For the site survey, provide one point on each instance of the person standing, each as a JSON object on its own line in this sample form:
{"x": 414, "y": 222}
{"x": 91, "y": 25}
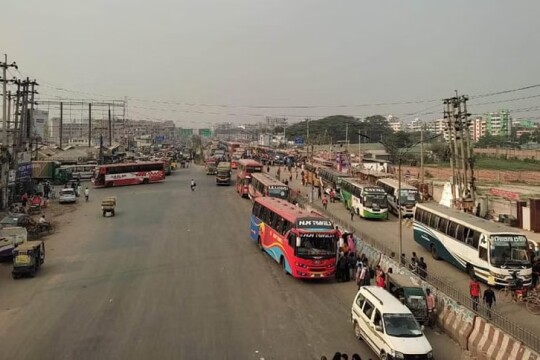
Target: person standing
{"x": 422, "y": 268}
{"x": 474, "y": 291}
{"x": 430, "y": 302}
{"x": 193, "y": 185}
{"x": 324, "y": 203}
{"x": 24, "y": 199}
{"x": 361, "y": 274}
{"x": 86, "y": 193}
{"x": 352, "y": 213}
{"x": 489, "y": 300}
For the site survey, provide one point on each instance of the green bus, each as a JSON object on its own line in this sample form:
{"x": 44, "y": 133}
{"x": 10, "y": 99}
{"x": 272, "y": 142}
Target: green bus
{"x": 331, "y": 178}
{"x": 368, "y": 201}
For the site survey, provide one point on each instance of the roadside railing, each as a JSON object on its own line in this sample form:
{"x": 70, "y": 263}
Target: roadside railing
{"x": 527, "y": 337}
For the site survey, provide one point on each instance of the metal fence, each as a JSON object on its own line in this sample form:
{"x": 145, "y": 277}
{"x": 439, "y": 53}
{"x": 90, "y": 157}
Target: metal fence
{"x": 527, "y": 337}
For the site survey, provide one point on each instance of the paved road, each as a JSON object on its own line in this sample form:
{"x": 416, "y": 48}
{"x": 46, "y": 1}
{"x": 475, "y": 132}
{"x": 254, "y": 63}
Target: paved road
{"x": 172, "y": 276}
{"x": 387, "y": 233}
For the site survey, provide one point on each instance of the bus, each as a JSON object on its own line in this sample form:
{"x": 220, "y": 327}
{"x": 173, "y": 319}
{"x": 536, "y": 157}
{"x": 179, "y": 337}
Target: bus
{"x": 330, "y": 178}
{"x": 80, "y": 172}
{"x": 263, "y": 184}
{"x": 304, "y": 243}
{"x": 486, "y": 250}
{"x": 223, "y": 173}
{"x": 128, "y": 174}
{"x": 246, "y": 167}
{"x": 310, "y": 175}
{"x": 211, "y": 166}
{"x": 407, "y": 201}
{"x": 368, "y": 201}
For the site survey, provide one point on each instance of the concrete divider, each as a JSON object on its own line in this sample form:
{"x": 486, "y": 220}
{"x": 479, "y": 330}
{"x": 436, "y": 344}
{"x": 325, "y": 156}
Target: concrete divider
{"x": 456, "y": 321}
{"x": 487, "y": 342}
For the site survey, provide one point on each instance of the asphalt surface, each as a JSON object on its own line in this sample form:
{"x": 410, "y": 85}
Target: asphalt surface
{"x": 172, "y": 276}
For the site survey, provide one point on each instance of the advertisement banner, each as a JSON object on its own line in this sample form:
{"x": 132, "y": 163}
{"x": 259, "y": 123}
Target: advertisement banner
{"x": 38, "y": 123}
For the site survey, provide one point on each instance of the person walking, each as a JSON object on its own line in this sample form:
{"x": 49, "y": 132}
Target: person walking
{"x": 361, "y": 275}
{"x": 474, "y": 291}
{"x": 24, "y": 199}
{"x": 324, "y": 203}
{"x": 193, "y": 185}
{"x": 489, "y": 300}
{"x": 430, "y": 302}
{"x": 352, "y": 213}
{"x": 86, "y": 193}
{"x": 422, "y": 268}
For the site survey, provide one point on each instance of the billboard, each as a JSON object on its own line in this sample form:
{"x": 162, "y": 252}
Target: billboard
{"x": 38, "y": 123}
{"x": 205, "y": 132}
{"x": 185, "y": 132}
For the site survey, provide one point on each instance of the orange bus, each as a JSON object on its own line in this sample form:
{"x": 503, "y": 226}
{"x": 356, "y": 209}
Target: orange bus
{"x": 302, "y": 242}
{"x": 246, "y": 167}
{"x": 128, "y": 174}
{"x": 263, "y": 184}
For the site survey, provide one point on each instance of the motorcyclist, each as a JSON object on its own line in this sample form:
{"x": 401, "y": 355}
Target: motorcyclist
{"x": 86, "y": 193}
{"x": 43, "y": 223}
{"x": 516, "y": 284}
{"x": 193, "y": 185}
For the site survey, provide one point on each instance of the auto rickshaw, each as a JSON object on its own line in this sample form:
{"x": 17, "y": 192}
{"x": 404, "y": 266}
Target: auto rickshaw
{"x": 108, "y": 205}
{"x": 28, "y": 258}
{"x": 409, "y": 293}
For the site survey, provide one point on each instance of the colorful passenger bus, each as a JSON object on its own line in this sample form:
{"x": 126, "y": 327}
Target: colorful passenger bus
{"x": 304, "y": 243}
{"x": 368, "y": 201}
{"x": 331, "y": 178}
{"x": 246, "y": 167}
{"x": 406, "y": 203}
{"x": 128, "y": 174}
{"x": 487, "y": 250}
{"x": 263, "y": 184}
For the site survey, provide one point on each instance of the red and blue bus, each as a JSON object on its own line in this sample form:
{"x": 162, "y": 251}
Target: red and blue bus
{"x": 304, "y": 243}
{"x": 246, "y": 167}
{"x": 128, "y": 174}
{"x": 263, "y": 184}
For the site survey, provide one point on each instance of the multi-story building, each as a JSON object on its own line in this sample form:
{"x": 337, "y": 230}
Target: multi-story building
{"x": 478, "y": 128}
{"x": 394, "y": 122}
{"x": 499, "y": 123}
{"x": 436, "y": 126}
{"x": 415, "y": 125}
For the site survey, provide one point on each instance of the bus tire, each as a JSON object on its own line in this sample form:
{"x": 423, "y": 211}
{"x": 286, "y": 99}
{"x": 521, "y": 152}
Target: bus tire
{"x": 283, "y": 266}
{"x": 145, "y": 181}
{"x": 434, "y": 253}
{"x": 259, "y": 243}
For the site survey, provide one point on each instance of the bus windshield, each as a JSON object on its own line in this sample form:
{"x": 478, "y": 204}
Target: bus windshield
{"x": 509, "y": 250}
{"x": 253, "y": 169}
{"x": 408, "y": 197}
{"x": 316, "y": 245}
{"x": 279, "y": 192}
{"x": 375, "y": 201}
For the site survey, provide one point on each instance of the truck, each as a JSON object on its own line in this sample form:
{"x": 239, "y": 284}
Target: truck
{"x": 211, "y": 166}
{"x": 51, "y": 171}
{"x": 223, "y": 175}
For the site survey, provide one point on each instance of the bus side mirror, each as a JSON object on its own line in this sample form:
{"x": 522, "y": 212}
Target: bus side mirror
{"x": 298, "y": 241}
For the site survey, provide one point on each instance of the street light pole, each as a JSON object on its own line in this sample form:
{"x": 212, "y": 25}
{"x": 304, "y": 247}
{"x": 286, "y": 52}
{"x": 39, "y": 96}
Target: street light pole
{"x": 400, "y": 216}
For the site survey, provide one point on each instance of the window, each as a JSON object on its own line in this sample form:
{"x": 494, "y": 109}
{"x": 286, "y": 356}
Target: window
{"x": 452, "y": 227}
{"x": 476, "y": 238}
{"x": 460, "y": 233}
{"x": 377, "y": 318}
{"x": 443, "y": 225}
{"x": 418, "y": 214}
{"x": 434, "y": 223}
{"x": 360, "y": 300}
{"x": 482, "y": 253}
{"x": 368, "y": 309}
{"x": 292, "y": 240}
{"x": 280, "y": 225}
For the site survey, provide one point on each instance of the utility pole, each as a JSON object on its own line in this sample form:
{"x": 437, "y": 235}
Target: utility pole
{"x": 347, "y": 137}
{"x": 400, "y": 215}
{"x": 110, "y": 127}
{"x": 5, "y": 146}
{"x": 61, "y": 123}
{"x": 90, "y": 125}
{"x": 422, "y": 155}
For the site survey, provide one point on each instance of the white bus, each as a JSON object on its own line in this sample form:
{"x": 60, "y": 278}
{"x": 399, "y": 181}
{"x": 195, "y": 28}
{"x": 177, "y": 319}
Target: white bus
{"x": 486, "y": 250}
{"x": 81, "y": 172}
{"x": 368, "y": 201}
{"x": 406, "y": 202}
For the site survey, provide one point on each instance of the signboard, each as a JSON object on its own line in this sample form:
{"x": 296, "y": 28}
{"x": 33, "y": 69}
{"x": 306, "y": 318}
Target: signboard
{"x": 160, "y": 138}
{"x": 12, "y": 175}
{"x": 314, "y": 223}
{"x": 509, "y": 238}
{"x": 185, "y": 132}
{"x": 510, "y": 195}
{"x": 205, "y": 132}
{"x": 298, "y": 140}
{"x": 38, "y": 124}
{"x": 24, "y": 171}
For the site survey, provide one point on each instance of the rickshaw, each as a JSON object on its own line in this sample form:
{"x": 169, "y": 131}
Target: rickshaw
{"x": 28, "y": 258}
{"x": 409, "y": 293}
{"x": 108, "y": 205}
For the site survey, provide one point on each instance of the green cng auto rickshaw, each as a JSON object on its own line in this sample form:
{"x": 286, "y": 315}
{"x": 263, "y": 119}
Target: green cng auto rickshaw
{"x": 28, "y": 258}
{"x": 410, "y": 294}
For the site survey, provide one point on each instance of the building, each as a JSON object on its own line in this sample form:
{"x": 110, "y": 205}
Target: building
{"x": 436, "y": 126}
{"x": 415, "y": 125}
{"x": 394, "y": 123}
{"x": 499, "y": 123}
{"x": 479, "y": 128}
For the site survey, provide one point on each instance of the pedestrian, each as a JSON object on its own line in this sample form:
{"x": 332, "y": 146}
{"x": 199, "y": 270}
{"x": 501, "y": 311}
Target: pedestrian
{"x": 296, "y": 172}
{"x": 413, "y": 266}
{"x": 381, "y": 281}
{"x": 86, "y": 193}
{"x": 344, "y": 357}
{"x": 474, "y": 291}
{"x": 430, "y": 303}
{"x": 352, "y": 264}
{"x": 403, "y": 260}
{"x": 337, "y": 356}
{"x": 350, "y": 243}
{"x": 489, "y": 300}
{"x": 24, "y": 199}
{"x": 356, "y": 357}
{"x": 332, "y": 196}
{"x": 415, "y": 257}
{"x": 268, "y": 169}
{"x": 290, "y": 177}
{"x": 193, "y": 185}
{"x": 352, "y": 213}
{"x": 319, "y": 192}
{"x": 361, "y": 275}
{"x": 422, "y": 268}
{"x": 324, "y": 203}
{"x": 344, "y": 268}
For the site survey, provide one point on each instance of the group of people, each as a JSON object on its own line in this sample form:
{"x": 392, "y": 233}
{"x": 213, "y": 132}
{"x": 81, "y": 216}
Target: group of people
{"x": 417, "y": 265}
{"x": 343, "y": 356}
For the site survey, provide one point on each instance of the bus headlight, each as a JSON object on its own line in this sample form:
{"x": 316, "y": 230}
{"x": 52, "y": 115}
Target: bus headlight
{"x": 497, "y": 276}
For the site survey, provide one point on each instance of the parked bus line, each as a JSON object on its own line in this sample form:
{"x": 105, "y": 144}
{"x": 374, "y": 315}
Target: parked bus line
{"x": 263, "y": 184}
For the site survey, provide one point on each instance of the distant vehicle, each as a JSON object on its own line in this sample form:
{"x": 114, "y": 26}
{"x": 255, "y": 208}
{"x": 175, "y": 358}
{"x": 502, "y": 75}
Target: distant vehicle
{"x": 310, "y": 175}
{"x": 129, "y": 174}
{"x": 246, "y": 167}
{"x": 263, "y": 184}
{"x": 330, "y": 178}
{"x": 487, "y": 250}
{"x": 28, "y": 258}
{"x": 406, "y": 202}
{"x": 67, "y": 196}
{"x": 223, "y": 173}
{"x": 10, "y": 238}
{"x": 51, "y": 171}
{"x": 81, "y": 172}
{"x": 368, "y": 201}
{"x": 211, "y": 166}
{"x": 304, "y": 243}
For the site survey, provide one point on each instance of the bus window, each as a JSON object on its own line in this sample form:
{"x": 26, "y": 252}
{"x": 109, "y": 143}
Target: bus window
{"x": 482, "y": 253}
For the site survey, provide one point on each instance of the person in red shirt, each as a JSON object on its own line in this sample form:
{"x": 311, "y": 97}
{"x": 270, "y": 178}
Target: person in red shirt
{"x": 381, "y": 280}
{"x": 474, "y": 291}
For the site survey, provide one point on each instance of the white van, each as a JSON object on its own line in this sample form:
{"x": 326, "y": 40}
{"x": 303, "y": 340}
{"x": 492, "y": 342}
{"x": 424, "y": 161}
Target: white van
{"x": 388, "y": 326}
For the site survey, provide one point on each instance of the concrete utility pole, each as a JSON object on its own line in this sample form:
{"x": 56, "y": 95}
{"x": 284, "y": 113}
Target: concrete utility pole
{"x": 110, "y": 127}
{"x": 90, "y": 125}
{"x": 5, "y": 146}
{"x": 422, "y": 154}
{"x": 61, "y": 123}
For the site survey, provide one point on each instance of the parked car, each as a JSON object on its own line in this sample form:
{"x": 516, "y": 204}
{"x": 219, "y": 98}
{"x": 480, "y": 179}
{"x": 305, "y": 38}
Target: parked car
{"x": 67, "y": 196}
{"x": 12, "y": 220}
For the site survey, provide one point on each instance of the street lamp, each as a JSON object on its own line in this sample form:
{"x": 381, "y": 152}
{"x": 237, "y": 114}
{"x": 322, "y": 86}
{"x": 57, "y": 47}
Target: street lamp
{"x": 398, "y": 201}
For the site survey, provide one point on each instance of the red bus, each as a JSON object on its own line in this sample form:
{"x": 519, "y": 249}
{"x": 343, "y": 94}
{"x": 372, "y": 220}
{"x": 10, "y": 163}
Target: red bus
{"x": 128, "y": 174}
{"x": 243, "y": 176}
{"x": 263, "y": 184}
{"x": 304, "y": 243}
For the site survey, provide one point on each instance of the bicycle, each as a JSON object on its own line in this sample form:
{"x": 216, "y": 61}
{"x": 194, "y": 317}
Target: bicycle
{"x": 532, "y": 302}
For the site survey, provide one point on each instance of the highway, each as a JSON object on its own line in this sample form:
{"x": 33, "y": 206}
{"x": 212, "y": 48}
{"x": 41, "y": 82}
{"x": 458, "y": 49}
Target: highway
{"x": 172, "y": 276}
{"x": 387, "y": 233}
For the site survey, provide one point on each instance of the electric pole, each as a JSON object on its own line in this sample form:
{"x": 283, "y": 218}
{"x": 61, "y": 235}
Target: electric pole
{"x": 5, "y": 146}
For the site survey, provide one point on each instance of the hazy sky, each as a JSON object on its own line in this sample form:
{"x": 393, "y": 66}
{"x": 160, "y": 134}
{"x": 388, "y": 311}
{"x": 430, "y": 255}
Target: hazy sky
{"x": 277, "y": 53}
